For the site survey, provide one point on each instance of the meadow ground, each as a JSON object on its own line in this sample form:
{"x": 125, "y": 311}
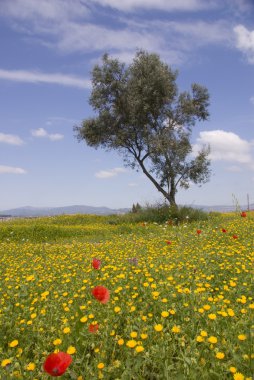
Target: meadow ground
{"x": 181, "y": 301}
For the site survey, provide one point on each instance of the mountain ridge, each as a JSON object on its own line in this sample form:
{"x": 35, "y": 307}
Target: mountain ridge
{"x": 30, "y": 211}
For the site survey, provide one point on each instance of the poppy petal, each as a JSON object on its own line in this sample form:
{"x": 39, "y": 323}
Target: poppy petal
{"x": 57, "y": 363}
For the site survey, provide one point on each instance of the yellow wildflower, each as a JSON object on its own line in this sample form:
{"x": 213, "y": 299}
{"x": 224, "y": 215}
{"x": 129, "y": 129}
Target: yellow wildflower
{"x": 71, "y": 350}
{"x": 131, "y": 343}
{"x": 139, "y": 348}
{"x": 5, "y": 362}
{"x": 30, "y": 367}
{"x": 238, "y": 376}
{"x": 176, "y": 329}
{"x": 158, "y": 327}
{"x": 14, "y": 343}
{"x": 220, "y": 355}
{"x": 57, "y": 342}
{"x": 212, "y": 339}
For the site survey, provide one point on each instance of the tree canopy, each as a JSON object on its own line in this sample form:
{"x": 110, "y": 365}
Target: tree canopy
{"x": 141, "y": 114}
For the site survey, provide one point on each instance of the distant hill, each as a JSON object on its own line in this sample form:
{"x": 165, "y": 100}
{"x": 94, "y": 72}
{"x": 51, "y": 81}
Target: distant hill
{"x": 221, "y": 208}
{"x": 29, "y": 211}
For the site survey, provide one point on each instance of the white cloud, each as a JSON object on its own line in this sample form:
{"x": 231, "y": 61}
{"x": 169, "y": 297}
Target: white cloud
{"x": 39, "y": 77}
{"x": 44, "y": 9}
{"x": 234, "y": 168}
{"x": 151, "y": 36}
{"x": 41, "y": 132}
{"x": 132, "y": 184}
{"x": 91, "y": 37}
{"x": 10, "y": 139}
{"x": 245, "y": 41}
{"x": 200, "y": 32}
{"x": 11, "y": 170}
{"x": 109, "y": 173}
{"x": 252, "y": 100}
{"x": 69, "y": 33}
{"x": 166, "y": 5}
{"x": 185, "y": 38}
{"x": 55, "y": 136}
{"x": 60, "y": 120}
{"x": 226, "y": 146}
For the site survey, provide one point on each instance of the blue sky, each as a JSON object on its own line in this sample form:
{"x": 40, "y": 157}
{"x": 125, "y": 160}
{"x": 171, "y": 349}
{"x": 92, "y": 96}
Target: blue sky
{"x": 48, "y": 49}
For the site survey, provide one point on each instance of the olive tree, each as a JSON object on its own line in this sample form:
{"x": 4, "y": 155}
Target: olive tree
{"x": 140, "y": 113}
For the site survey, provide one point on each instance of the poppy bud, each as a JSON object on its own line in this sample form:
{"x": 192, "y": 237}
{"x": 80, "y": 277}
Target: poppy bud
{"x": 96, "y": 263}
{"x": 93, "y": 328}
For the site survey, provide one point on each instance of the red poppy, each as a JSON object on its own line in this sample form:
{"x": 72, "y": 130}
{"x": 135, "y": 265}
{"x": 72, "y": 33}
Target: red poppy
{"x": 223, "y": 230}
{"x": 57, "y": 363}
{"x": 199, "y": 232}
{"x": 235, "y": 237}
{"x": 96, "y": 263}
{"x": 243, "y": 214}
{"x": 101, "y": 294}
{"x": 93, "y": 328}
{"x": 168, "y": 242}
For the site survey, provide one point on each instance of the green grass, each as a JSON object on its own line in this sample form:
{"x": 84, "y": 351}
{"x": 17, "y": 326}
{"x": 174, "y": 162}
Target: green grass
{"x": 171, "y": 290}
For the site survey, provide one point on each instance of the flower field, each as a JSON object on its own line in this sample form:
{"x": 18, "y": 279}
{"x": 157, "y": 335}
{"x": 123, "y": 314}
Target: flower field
{"x": 131, "y": 301}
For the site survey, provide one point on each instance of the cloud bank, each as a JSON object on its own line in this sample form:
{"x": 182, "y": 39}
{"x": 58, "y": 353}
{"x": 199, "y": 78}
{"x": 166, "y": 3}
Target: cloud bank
{"x": 11, "y": 170}
{"x": 39, "y": 77}
{"x": 42, "y": 133}
{"x": 226, "y": 146}
{"x": 102, "y": 174}
{"x": 245, "y": 42}
{"x": 10, "y": 139}
{"x": 74, "y": 26}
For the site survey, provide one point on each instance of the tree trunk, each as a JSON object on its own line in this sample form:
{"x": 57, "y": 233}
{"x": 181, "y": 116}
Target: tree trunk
{"x": 172, "y": 194}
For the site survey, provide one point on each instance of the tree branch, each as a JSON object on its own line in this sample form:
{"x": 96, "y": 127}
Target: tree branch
{"x": 156, "y": 184}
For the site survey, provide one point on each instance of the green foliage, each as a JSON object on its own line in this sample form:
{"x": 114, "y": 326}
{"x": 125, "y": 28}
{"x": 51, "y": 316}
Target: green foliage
{"x": 142, "y": 115}
{"x": 161, "y": 213}
{"x": 136, "y": 208}
{"x": 187, "y": 214}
